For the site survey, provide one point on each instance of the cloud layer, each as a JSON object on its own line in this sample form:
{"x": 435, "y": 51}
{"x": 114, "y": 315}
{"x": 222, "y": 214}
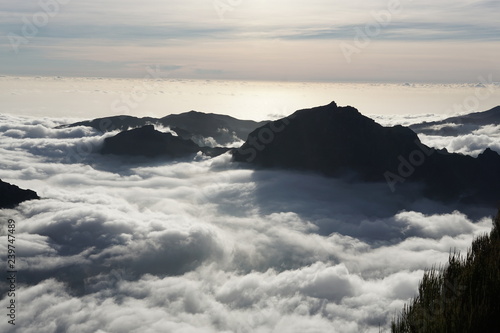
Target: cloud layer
{"x": 207, "y": 245}
{"x": 472, "y": 143}
{"x": 400, "y": 40}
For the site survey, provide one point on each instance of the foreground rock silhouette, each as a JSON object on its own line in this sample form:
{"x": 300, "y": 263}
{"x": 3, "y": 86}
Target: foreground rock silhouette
{"x": 12, "y": 195}
{"x": 341, "y": 142}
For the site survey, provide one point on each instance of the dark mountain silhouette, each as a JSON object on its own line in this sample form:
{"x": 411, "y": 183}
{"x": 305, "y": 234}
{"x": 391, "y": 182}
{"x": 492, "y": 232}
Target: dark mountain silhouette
{"x": 146, "y": 141}
{"x": 108, "y": 124}
{"x": 11, "y": 195}
{"x": 193, "y": 125}
{"x": 224, "y": 129}
{"x": 459, "y": 125}
{"x": 339, "y": 141}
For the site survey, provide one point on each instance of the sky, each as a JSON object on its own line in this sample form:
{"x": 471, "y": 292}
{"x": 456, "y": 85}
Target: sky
{"x": 317, "y": 40}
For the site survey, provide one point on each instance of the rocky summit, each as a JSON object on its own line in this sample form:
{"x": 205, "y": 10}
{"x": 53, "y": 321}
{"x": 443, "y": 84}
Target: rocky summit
{"x": 12, "y": 195}
{"x": 341, "y": 142}
{"x": 148, "y": 142}
{"x": 329, "y": 139}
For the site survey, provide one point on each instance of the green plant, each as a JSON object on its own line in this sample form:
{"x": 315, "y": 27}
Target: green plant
{"x": 464, "y": 296}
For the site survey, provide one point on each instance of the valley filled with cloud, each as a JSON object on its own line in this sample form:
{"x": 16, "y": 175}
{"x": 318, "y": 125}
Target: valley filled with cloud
{"x": 207, "y": 245}
{"x": 139, "y": 232}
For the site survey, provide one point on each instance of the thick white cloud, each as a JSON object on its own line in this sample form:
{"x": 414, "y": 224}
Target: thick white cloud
{"x": 205, "y": 245}
{"x": 471, "y": 143}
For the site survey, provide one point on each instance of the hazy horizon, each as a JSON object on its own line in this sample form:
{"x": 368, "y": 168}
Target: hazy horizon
{"x": 87, "y": 98}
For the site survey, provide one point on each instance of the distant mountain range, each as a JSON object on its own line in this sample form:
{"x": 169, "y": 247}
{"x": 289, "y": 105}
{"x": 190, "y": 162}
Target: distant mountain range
{"x": 459, "y": 125}
{"x": 330, "y": 140}
{"x": 193, "y": 125}
{"x": 12, "y": 195}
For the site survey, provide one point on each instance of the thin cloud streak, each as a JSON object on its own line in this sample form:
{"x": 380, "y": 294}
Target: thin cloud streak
{"x": 83, "y": 35}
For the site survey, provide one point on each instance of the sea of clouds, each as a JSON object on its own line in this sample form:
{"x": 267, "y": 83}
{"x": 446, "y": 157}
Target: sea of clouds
{"x": 208, "y": 245}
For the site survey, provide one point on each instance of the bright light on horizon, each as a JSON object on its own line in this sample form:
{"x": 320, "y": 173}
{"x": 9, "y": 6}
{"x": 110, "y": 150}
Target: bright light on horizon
{"x": 99, "y": 97}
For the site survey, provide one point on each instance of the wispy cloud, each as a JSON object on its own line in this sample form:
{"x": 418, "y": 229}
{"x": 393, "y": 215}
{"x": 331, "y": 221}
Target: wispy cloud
{"x": 195, "y": 30}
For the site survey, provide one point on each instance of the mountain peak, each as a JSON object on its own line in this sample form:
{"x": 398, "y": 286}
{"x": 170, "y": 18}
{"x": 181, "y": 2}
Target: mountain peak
{"x": 330, "y": 139}
{"x": 339, "y": 141}
{"x": 146, "y": 141}
{"x": 332, "y": 111}
{"x": 332, "y": 104}
{"x": 489, "y": 154}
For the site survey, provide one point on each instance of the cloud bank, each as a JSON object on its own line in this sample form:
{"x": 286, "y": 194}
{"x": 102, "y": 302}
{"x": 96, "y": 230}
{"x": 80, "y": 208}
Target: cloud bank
{"x": 116, "y": 245}
{"x": 472, "y": 143}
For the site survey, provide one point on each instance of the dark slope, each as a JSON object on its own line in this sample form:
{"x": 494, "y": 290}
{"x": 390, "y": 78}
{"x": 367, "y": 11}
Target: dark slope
{"x": 108, "y": 124}
{"x": 222, "y": 128}
{"x": 329, "y": 139}
{"x": 339, "y": 141}
{"x": 146, "y": 141}
{"x": 11, "y": 195}
{"x": 459, "y": 125}
{"x": 189, "y": 125}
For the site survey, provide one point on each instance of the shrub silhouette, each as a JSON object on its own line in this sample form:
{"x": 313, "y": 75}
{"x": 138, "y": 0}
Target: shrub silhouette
{"x": 464, "y": 296}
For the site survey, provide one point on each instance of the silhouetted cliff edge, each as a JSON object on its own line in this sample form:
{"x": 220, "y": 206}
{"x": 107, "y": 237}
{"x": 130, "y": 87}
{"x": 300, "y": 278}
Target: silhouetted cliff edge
{"x": 339, "y": 141}
{"x": 12, "y": 195}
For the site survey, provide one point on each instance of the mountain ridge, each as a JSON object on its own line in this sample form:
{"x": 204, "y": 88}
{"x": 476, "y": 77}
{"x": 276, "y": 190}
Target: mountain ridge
{"x": 461, "y": 124}
{"x": 11, "y": 195}
{"x": 194, "y": 125}
{"x": 340, "y": 141}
